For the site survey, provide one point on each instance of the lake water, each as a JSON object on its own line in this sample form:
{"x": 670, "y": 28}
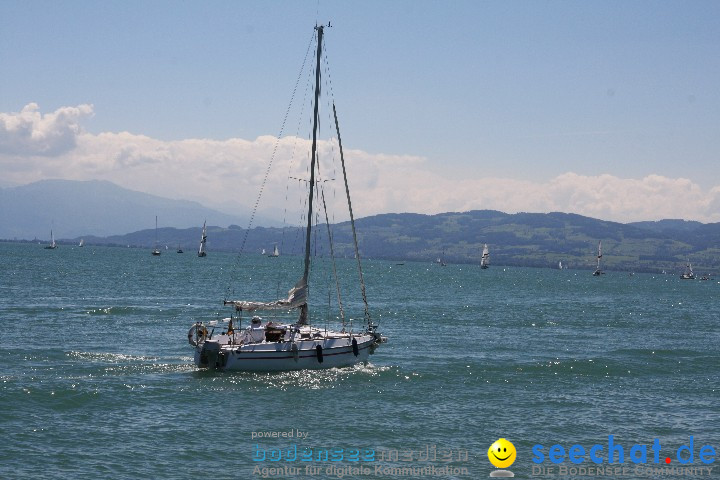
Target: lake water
{"x": 98, "y": 381}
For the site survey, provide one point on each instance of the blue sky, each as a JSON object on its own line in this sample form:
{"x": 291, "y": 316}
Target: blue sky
{"x": 609, "y": 109}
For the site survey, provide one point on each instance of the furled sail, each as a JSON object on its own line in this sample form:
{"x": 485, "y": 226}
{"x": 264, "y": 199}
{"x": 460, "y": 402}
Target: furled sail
{"x": 297, "y": 297}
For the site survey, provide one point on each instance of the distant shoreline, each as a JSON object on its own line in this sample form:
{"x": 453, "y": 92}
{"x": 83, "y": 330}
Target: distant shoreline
{"x": 573, "y": 267}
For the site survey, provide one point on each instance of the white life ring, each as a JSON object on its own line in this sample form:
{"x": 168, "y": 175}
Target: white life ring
{"x": 197, "y": 334}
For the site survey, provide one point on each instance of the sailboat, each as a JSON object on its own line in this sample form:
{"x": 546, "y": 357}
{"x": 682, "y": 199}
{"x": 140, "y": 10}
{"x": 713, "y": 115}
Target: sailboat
{"x": 52, "y": 245}
{"x": 275, "y": 252}
{"x": 485, "y": 259}
{"x": 82, "y": 242}
{"x": 156, "y": 250}
{"x": 441, "y": 259}
{"x": 560, "y": 265}
{"x": 203, "y": 241}
{"x": 688, "y": 273}
{"x": 292, "y": 345}
{"x": 597, "y": 271}
{"x": 263, "y": 252}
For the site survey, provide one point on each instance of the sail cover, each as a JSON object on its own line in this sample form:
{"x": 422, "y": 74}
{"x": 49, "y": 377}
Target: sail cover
{"x": 297, "y": 297}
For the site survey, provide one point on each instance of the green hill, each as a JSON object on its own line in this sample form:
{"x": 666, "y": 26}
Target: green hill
{"x": 523, "y": 239}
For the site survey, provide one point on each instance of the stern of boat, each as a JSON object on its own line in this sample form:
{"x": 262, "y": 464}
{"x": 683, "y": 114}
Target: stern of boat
{"x": 208, "y": 354}
{"x": 208, "y": 346}
{"x": 377, "y": 337}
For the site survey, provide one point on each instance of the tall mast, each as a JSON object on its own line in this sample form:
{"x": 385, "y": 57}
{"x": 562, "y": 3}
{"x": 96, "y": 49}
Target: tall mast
{"x": 304, "y": 310}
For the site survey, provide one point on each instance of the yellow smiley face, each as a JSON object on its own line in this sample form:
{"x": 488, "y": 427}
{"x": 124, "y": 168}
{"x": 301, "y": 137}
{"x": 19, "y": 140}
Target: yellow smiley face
{"x": 502, "y": 453}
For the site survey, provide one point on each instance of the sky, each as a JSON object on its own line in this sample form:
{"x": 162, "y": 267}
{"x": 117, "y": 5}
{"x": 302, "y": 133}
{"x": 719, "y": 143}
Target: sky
{"x": 609, "y": 109}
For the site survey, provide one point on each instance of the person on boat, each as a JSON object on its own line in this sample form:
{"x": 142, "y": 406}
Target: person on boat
{"x": 257, "y": 331}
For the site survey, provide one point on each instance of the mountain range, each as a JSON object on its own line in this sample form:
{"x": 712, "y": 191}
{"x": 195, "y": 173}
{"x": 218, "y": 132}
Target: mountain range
{"x": 100, "y": 208}
{"x": 103, "y": 213}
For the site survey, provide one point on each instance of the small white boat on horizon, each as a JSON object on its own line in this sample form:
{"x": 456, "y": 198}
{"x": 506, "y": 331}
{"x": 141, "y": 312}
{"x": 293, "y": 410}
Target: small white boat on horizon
{"x": 688, "y": 273}
{"x": 485, "y": 259}
{"x": 52, "y": 245}
{"x": 598, "y": 271}
{"x": 203, "y": 241}
{"x": 156, "y": 251}
{"x": 441, "y": 259}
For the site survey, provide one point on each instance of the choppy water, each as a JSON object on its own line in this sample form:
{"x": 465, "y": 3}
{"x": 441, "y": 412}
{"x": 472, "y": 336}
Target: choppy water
{"x": 97, "y": 378}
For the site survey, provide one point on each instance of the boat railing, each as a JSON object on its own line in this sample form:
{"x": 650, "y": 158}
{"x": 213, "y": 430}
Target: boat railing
{"x": 275, "y": 328}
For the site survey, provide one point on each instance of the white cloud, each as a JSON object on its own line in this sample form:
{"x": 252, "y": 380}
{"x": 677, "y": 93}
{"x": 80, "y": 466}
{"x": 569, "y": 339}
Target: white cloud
{"x": 414, "y": 188}
{"x": 229, "y": 173}
{"x": 29, "y": 132}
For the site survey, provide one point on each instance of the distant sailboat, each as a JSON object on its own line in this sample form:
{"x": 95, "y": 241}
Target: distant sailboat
{"x": 275, "y": 253}
{"x": 263, "y": 252}
{"x": 156, "y": 250}
{"x": 688, "y": 274}
{"x": 485, "y": 259}
{"x": 82, "y": 242}
{"x": 203, "y": 240}
{"x": 597, "y": 271}
{"x": 560, "y": 265}
{"x": 52, "y": 245}
{"x": 180, "y": 250}
{"x": 441, "y": 260}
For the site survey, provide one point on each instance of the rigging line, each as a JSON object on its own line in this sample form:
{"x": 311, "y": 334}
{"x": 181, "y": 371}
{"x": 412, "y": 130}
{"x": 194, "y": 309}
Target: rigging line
{"x": 328, "y": 78}
{"x": 291, "y": 164}
{"x": 233, "y": 279}
{"x": 352, "y": 220}
{"x": 332, "y": 256}
{"x": 330, "y": 96}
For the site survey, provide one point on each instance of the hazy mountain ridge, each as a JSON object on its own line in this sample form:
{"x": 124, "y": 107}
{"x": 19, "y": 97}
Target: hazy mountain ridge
{"x": 99, "y": 208}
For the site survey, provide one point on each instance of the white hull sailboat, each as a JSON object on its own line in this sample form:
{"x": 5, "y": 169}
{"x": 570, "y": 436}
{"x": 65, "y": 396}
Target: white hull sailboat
{"x": 293, "y": 345}
{"x": 688, "y": 273}
{"x": 292, "y": 348}
{"x": 441, "y": 260}
{"x": 203, "y": 241}
{"x": 156, "y": 251}
{"x": 597, "y": 271}
{"x": 52, "y": 245}
{"x": 275, "y": 253}
{"x": 485, "y": 259}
